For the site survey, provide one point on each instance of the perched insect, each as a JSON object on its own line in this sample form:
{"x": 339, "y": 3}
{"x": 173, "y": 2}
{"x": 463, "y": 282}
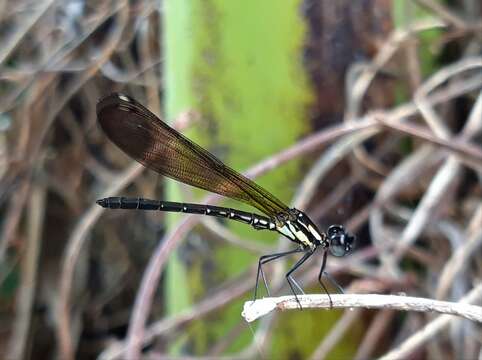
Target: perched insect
{"x": 147, "y": 139}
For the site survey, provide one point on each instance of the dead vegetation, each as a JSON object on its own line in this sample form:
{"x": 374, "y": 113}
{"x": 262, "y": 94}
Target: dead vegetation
{"x": 418, "y": 164}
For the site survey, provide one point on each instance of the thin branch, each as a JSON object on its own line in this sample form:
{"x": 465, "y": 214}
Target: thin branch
{"x": 457, "y": 145}
{"x": 461, "y": 257}
{"x": 18, "y": 346}
{"x": 430, "y": 330}
{"x": 30, "y": 20}
{"x": 256, "y": 309}
{"x": 420, "y": 97}
{"x": 444, "y": 13}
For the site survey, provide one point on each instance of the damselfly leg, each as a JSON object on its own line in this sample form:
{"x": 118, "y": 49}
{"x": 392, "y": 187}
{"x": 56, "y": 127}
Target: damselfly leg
{"x": 290, "y": 279}
{"x": 329, "y": 277}
{"x": 322, "y": 269}
{"x": 266, "y": 259}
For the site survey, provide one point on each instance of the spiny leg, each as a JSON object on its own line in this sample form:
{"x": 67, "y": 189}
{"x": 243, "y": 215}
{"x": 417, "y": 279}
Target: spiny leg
{"x": 290, "y": 280}
{"x": 265, "y": 259}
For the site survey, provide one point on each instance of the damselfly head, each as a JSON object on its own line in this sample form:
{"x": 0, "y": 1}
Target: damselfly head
{"x": 340, "y": 242}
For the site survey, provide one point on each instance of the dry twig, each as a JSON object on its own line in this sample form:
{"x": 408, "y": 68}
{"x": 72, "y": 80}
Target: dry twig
{"x": 255, "y": 309}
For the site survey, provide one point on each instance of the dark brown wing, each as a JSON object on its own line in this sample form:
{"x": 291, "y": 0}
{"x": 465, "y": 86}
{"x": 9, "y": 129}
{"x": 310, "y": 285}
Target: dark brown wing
{"x": 147, "y": 139}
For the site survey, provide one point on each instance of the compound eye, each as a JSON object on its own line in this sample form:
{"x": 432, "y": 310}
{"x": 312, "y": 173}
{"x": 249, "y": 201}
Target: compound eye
{"x": 337, "y": 245}
{"x": 340, "y": 241}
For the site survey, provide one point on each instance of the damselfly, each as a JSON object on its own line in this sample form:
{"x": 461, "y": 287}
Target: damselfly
{"x": 147, "y": 139}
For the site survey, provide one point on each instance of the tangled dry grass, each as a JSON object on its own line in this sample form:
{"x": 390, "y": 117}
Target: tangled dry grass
{"x": 421, "y": 226}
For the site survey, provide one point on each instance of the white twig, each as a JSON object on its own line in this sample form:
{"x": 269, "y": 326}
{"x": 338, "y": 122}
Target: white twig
{"x": 256, "y": 309}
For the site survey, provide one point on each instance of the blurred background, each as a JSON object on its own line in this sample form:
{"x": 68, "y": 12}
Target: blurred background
{"x": 366, "y": 113}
